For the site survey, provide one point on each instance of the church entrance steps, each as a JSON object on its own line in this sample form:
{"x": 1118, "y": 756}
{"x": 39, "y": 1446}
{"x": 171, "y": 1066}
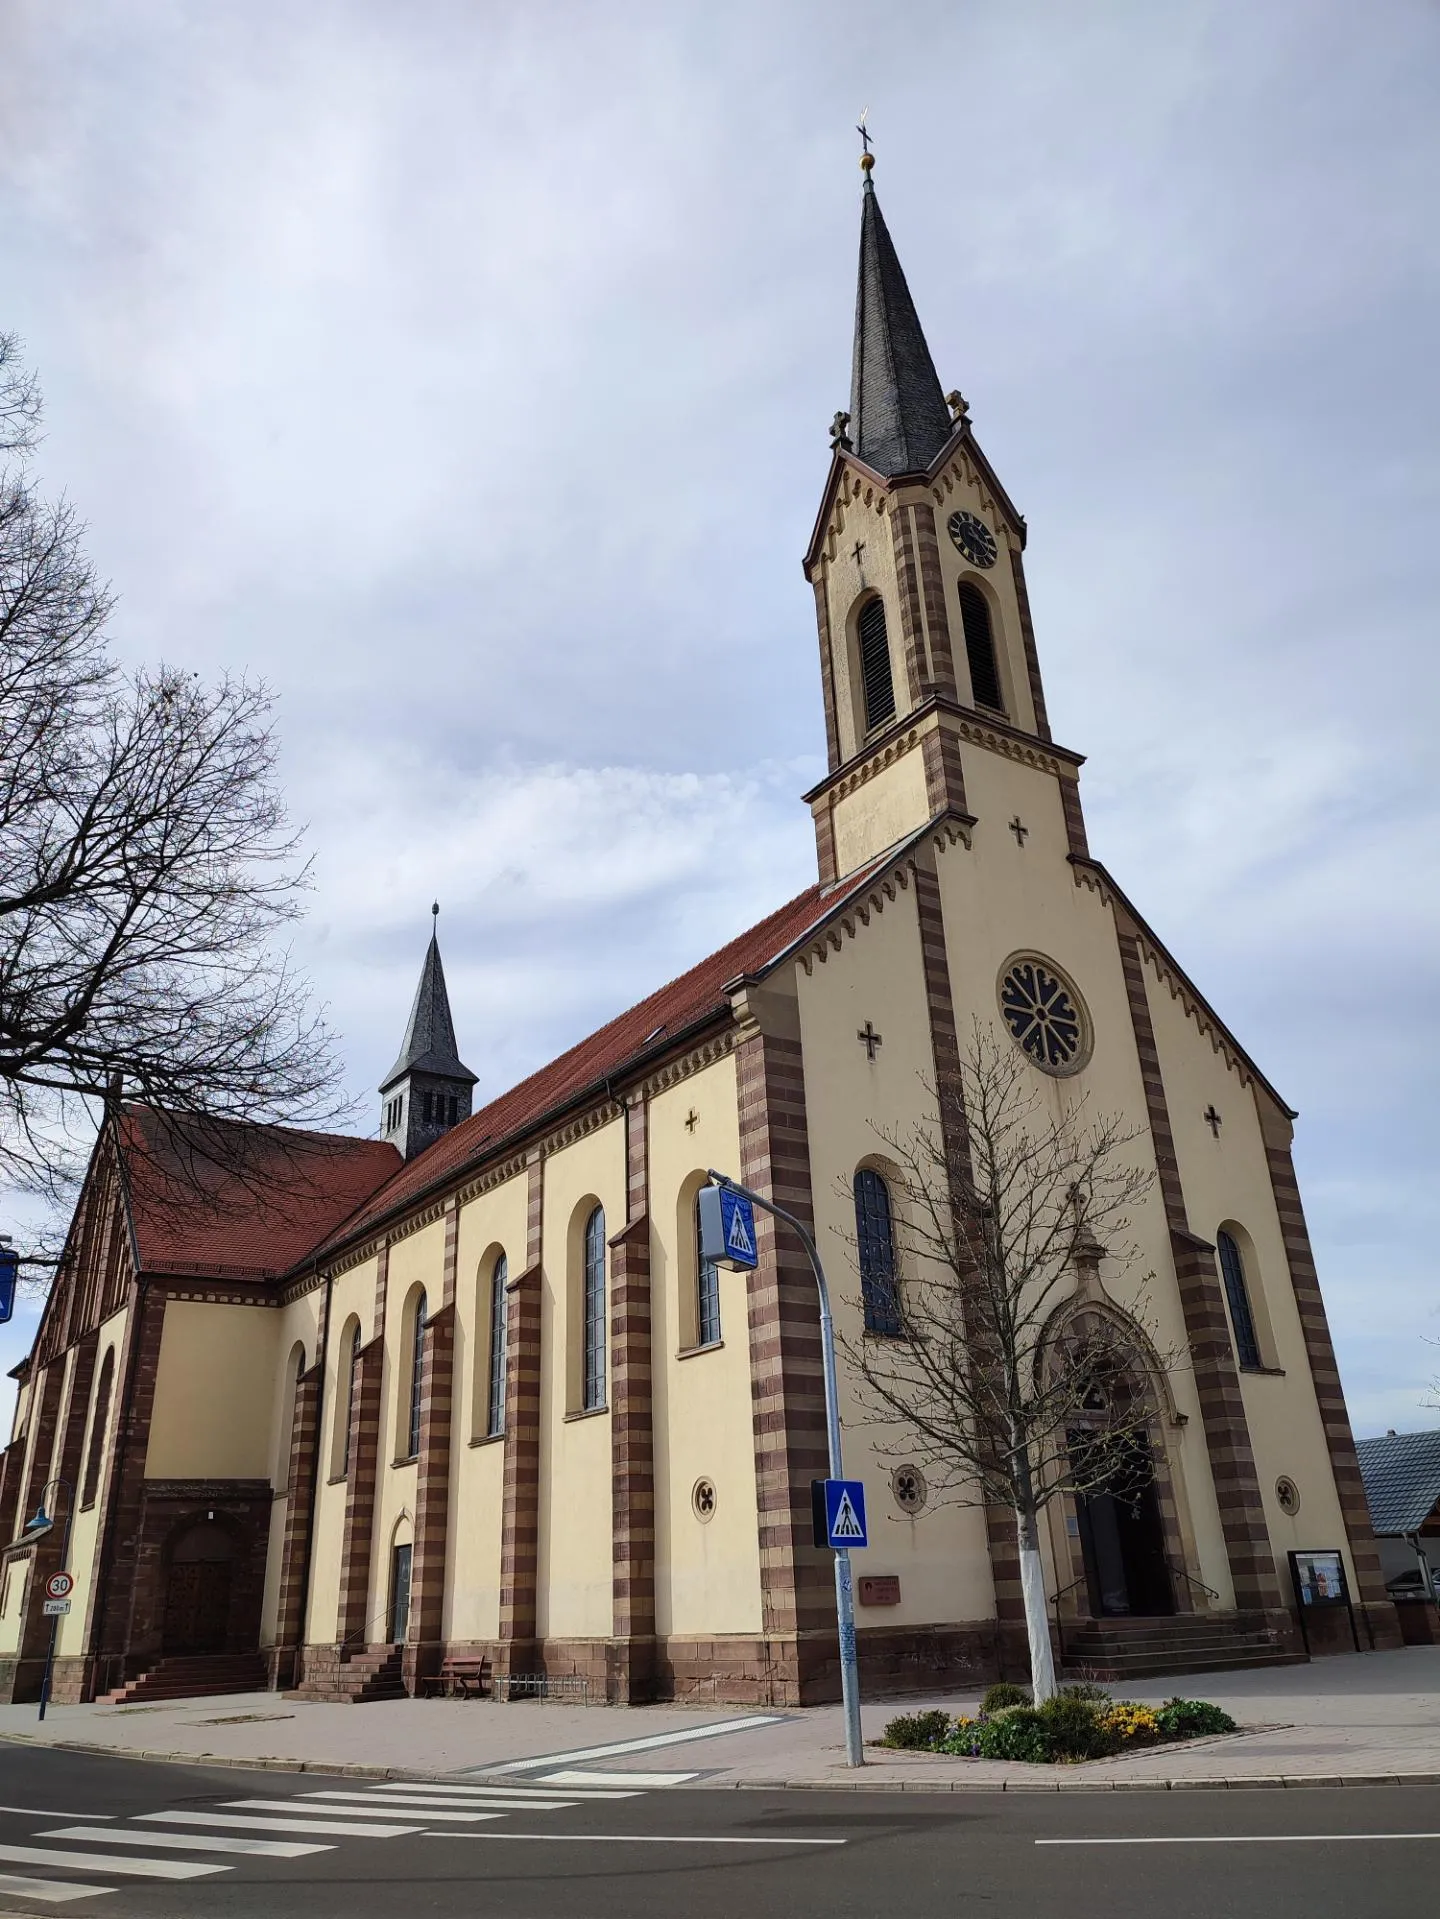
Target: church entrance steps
{"x": 1120, "y": 1649}
{"x": 192, "y": 1676}
{"x": 359, "y": 1679}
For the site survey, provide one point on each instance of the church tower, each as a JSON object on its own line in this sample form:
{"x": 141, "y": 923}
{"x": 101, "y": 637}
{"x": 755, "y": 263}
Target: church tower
{"x": 926, "y": 645}
{"x": 428, "y": 1089}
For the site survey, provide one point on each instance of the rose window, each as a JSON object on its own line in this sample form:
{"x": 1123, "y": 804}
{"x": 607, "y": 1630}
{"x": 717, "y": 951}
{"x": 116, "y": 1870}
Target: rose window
{"x": 1044, "y": 1013}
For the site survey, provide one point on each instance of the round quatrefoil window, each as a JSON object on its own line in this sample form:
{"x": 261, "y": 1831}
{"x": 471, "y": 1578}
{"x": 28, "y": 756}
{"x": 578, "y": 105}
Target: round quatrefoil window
{"x": 908, "y": 1485}
{"x": 1045, "y": 1014}
{"x": 702, "y": 1499}
{"x": 1288, "y": 1494}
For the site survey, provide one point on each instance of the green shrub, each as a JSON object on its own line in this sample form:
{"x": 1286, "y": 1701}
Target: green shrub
{"x": 1004, "y": 1693}
{"x": 917, "y": 1731}
{"x": 1074, "y": 1729}
{"x": 1086, "y": 1689}
{"x": 1019, "y": 1733}
{"x": 1189, "y": 1718}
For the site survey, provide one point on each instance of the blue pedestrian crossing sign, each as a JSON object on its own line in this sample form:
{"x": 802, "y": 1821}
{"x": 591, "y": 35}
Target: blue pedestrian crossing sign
{"x": 727, "y": 1228}
{"x": 9, "y": 1278}
{"x": 840, "y": 1513}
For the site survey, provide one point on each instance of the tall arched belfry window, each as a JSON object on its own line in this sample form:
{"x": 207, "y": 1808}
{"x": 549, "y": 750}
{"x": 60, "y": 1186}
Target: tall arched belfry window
{"x": 495, "y": 1412}
{"x": 593, "y": 1375}
{"x": 1237, "y": 1296}
{"x": 980, "y": 647}
{"x": 878, "y": 686}
{"x": 875, "y": 1246}
{"x": 417, "y": 1378}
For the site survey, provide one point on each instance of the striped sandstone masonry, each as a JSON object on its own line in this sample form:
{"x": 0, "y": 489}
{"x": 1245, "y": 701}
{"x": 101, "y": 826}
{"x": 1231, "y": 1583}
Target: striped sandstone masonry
{"x": 786, "y": 1379}
{"x": 64, "y": 1465}
{"x": 944, "y": 773}
{"x": 126, "y": 1490}
{"x": 520, "y": 1510}
{"x": 353, "y": 1619}
{"x": 1027, "y": 635}
{"x": 304, "y": 1436}
{"x": 1074, "y": 817}
{"x": 932, "y": 594}
{"x": 827, "y": 672}
{"x": 907, "y": 574}
{"x": 1000, "y": 1533}
{"x": 425, "y": 1649}
{"x": 1207, "y": 1328}
{"x": 631, "y": 1430}
{"x": 1329, "y": 1395}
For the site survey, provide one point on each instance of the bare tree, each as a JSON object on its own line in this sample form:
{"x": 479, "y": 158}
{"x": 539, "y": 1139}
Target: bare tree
{"x": 145, "y": 864}
{"x": 1008, "y": 1372}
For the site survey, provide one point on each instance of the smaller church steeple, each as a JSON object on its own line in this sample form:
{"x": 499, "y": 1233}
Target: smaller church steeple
{"x": 428, "y": 1089}
{"x": 898, "y": 417}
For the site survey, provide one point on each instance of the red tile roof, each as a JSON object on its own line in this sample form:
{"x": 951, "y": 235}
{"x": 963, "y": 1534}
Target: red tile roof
{"x": 686, "y": 1002}
{"x": 231, "y": 1198}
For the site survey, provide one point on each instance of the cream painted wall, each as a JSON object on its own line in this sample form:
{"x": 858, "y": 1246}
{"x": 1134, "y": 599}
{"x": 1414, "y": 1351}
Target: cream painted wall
{"x": 890, "y": 804}
{"x": 1000, "y": 898}
{"x": 495, "y": 1220}
{"x": 707, "y": 1573}
{"x": 215, "y": 1392}
{"x": 941, "y": 1556}
{"x": 353, "y": 1296}
{"x": 1226, "y": 1182}
{"x": 575, "y": 1550}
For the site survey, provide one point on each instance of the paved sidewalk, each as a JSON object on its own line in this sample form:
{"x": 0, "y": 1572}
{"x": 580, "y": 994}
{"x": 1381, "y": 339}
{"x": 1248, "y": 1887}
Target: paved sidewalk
{"x": 1356, "y": 1717}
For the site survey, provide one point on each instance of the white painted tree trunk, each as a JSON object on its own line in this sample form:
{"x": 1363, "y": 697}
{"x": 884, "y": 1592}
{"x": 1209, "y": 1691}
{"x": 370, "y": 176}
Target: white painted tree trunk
{"x": 1037, "y": 1622}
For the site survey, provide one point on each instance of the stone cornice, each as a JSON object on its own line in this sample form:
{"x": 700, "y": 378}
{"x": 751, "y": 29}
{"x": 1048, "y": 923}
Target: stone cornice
{"x": 982, "y": 729}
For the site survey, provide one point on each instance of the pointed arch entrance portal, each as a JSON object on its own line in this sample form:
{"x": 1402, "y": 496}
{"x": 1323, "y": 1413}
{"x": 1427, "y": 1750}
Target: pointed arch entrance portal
{"x": 198, "y": 1588}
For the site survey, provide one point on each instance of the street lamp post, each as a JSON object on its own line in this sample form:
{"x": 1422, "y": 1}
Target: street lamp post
{"x": 844, "y": 1585}
{"x": 42, "y": 1523}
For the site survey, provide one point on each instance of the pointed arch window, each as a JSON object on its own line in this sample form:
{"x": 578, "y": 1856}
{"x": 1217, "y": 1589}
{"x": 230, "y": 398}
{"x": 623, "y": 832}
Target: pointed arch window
{"x": 100, "y": 1420}
{"x": 593, "y": 1313}
{"x": 875, "y": 675}
{"x": 980, "y": 647}
{"x": 1237, "y": 1297}
{"x": 707, "y": 1292}
{"x": 875, "y": 1246}
{"x": 417, "y": 1378}
{"x": 499, "y": 1337}
{"x": 352, "y": 1370}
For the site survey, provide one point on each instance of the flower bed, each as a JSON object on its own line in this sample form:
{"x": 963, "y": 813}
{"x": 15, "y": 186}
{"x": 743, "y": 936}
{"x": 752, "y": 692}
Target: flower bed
{"x": 1080, "y": 1722}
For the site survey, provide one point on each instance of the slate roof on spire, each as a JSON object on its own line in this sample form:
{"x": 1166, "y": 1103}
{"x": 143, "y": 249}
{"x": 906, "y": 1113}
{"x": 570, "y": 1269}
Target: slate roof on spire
{"x": 430, "y": 1037}
{"x": 898, "y": 417}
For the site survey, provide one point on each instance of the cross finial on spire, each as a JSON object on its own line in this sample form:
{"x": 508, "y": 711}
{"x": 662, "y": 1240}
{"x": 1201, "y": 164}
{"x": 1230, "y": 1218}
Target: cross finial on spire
{"x": 867, "y": 158}
{"x": 434, "y": 909}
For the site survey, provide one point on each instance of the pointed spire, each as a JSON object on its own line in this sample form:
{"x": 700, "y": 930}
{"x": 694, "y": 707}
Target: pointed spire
{"x": 430, "y": 1036}
{"x": 898, "y": 417}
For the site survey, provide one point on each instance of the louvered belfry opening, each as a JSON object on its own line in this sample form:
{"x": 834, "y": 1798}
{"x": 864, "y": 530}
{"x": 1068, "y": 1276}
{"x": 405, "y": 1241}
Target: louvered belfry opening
{"x": 980, "y": 647}
{"x": 875, "y": 664}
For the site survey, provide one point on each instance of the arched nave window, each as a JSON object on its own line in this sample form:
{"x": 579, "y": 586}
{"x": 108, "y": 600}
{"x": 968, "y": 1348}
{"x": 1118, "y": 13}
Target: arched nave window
{"x": 1237, "y": 1296}
{"x": 875, "y": 1245}
{"x": 980, "y": 647}
{"x": 707, "y": 1291}
{"x": 875, "y": 675}
{"x": 347, "y": 1404}
{"x": 499, "y": 1337}
{"x": 417, "y": 1377}
{"x": 593, "y": 1313}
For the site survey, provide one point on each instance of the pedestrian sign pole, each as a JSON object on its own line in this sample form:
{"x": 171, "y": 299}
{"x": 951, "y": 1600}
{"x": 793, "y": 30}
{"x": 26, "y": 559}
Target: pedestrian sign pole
{"x": 727, "y": 1235}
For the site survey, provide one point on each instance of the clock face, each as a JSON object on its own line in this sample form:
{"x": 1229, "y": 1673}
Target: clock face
{"x": 973, "y": 538}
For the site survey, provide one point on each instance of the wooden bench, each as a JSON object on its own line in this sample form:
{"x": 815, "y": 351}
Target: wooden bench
{"x": 458, "y": 1679}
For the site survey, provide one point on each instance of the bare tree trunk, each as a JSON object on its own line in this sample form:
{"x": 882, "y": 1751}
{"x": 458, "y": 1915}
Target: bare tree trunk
{"x": 1037, "y": 1621}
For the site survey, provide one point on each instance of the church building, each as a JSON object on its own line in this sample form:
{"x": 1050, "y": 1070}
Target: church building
{"x": 469, "y": 1390}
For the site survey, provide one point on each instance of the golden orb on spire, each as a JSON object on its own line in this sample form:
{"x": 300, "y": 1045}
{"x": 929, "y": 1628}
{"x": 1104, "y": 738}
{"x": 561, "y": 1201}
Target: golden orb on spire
{"x": 867, "y": 160}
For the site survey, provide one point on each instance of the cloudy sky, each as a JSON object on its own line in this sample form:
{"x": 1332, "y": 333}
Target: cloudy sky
{"x": 464, "y": 370}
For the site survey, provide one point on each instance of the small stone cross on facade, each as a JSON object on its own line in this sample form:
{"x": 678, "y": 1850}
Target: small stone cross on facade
{"x": 1212, "y": 1119}
{"x": 869, "y": 1039}
{"x": 692, "y": 1120}
{"x": 1020, "y": 830}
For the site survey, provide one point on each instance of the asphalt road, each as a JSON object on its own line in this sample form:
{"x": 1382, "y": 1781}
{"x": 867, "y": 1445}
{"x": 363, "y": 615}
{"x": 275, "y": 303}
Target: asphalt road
{"x": 470, "y": 1849}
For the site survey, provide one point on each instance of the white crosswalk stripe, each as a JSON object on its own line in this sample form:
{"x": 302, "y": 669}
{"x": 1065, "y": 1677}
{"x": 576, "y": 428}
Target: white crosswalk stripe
{"x": 431, "y": 1807}
{"x": 502, "y": 1790}
{"x": 53, "y": 1891}
{"x": 346, "y": 1828}
{"x": 191, "y": 1841}
{"x": 408, "y": 1807}
{"x": 107, "y": 1862}
{"x": 646, "y": 1781}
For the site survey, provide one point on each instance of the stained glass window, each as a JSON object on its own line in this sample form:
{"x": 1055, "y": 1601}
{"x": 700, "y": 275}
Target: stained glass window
{"x": 1042, "y": 1011}
{"x": 707, "y": 1292}
{"x": 875, "y": 1245}
{"x": 417, "y": 1378}
{"x": 499, "y": 1334}
{"x": 1237, "y": 1295}
{"x": 593, "y": 1381}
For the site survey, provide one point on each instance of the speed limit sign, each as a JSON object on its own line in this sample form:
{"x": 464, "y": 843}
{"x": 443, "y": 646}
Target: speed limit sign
{"x": 59, "y": 1585}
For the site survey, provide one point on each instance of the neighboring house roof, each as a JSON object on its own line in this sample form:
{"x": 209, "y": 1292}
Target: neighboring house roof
{"x": 268, "y": 1193}
{"x": 651, "y": 1027}
{"x": 1402, "y": 1479}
